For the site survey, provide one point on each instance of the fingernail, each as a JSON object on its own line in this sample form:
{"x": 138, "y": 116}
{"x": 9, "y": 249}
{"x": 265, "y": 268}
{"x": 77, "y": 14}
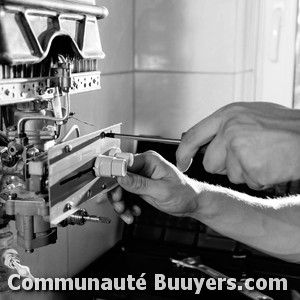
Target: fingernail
{"x": 127, "y": 220}
{"x": 184, "y": 169}
{"x": 118, "y": 207}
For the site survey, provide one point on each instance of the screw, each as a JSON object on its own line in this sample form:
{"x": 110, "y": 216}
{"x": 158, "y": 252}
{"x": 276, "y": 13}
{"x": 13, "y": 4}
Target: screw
{"x": 68, "y": 148}
{"x": 7, "y": 92}
{"x": 68, "y": 206}
{"x": 103, "y": 186}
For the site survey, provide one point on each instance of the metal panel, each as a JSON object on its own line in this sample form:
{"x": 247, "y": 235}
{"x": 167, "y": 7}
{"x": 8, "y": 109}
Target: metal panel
{"x": 27, "y": 35}
{"x": 71, "y": 174}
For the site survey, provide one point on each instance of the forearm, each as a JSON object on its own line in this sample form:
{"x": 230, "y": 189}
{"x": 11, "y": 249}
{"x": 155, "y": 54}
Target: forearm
{"x": 269, "y": 225}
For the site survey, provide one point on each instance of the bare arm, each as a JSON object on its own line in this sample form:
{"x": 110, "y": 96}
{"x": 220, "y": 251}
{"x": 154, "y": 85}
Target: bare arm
{"x": 272, "y": 226}
{"x": 269, "y": 225}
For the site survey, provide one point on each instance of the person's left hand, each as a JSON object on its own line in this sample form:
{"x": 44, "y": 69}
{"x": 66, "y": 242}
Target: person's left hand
{"x": 159, "y": 183}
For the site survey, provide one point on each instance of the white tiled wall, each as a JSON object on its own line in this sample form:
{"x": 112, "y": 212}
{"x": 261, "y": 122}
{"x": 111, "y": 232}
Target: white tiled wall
{"x": 169, "y": 103}
{"x": 191, "y": 57}
{"x": 185, "y": 35}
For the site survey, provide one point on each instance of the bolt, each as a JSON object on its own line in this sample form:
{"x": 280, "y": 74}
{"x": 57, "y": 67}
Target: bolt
{"x": 103, "y": 186}
{"x": 11, "y": 128}
{"x": 68, "y": 148}
{"x": 68, "y": 206}
{"x": 7, "y": 92}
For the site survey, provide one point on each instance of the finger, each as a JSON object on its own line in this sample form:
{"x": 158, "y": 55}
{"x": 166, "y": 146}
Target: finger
{"x": 136, "y": 184}
{"x": 102, "y": 198}
{"x": 115, "y": 195}
{"x": 119, "y": 207}
{"x": 214, "y": 160}
{"x": 127, "y": 217}
{"x": 198, "y": 135}
{"x": 136, "y": 210}
{"x": 234, "y": 169}
{"x": 145, "y": 163}
{"x": 251, "y": 183}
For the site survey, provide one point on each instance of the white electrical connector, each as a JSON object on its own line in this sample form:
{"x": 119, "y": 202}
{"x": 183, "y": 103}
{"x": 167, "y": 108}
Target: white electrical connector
{"x": 116, "y": 152}
{"x": 115, "y": 164}
{"x": 107, "y": 166}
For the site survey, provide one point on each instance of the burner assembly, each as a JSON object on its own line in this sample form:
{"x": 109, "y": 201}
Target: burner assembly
{"x": 49, "y": 51}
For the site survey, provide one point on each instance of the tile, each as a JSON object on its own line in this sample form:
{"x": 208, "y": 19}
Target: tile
{"x": 185, "y": 35}
{"x": 111, "y": 105}
{"x": 169, "y": 104}
{"x": 116, "y": 33}
{"x": 244, "y": 86}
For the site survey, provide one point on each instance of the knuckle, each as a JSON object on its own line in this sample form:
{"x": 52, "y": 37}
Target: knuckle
{"x": 189, "y": 136}
{"x": 237, "y": 145}
{"x": 139, "y": 183}
{"x": 151, "y": 152}
{"x": 231, "y": 127}
{"x": 208, "y": 165}
{"x": 152, "y": 155}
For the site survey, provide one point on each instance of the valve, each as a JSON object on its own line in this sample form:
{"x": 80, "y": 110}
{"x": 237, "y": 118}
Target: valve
{"x": 81, "y": 216}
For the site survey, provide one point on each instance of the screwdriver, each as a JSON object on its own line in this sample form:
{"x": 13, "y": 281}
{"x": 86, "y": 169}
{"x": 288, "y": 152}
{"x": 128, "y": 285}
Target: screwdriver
{"x": 150, "y": 139}
{"x": 143, "y": 138}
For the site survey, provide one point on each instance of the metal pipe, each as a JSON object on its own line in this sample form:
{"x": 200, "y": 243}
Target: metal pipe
{"x": 72, "y": 129}
{"x": 66, "y": 115}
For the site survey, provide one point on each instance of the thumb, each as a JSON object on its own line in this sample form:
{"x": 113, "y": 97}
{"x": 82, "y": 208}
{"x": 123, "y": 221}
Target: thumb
{"x": 135, "y": 184}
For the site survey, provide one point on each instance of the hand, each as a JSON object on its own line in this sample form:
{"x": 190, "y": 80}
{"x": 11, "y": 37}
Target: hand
{"x": 255, "y": 143}
{"x": 159, "y": 183}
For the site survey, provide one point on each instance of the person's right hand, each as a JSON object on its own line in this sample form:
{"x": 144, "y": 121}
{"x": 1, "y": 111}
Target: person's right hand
{"x": 160, "y": 184}
{"x": 254, "y": 143}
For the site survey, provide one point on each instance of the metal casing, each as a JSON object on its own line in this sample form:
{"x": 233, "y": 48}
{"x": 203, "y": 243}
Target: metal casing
{"x": 28, "y": 29}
